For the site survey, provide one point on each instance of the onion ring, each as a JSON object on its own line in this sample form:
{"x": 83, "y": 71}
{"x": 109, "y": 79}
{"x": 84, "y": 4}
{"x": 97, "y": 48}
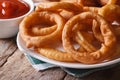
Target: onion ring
{"x": 92, "y": 9}
{"x": 87, "y": 57}
{"x": 117, "y": 30}
{"x": 97, "y": 32}
{"x": 117, "y": 52}
{"x": 111, "y": 13}
{"x": 63, "y": 8}
{"x": 105, "y": 2}
{"x": 39, "y": 31}
{"x": 84, "y": 43}
{"x": 80, "y": 35}
{"x": 66, "y": 14}
{"x": 55, "y": 54}
{"x": 54, "y": 6}
{"x": 36, "y": 18}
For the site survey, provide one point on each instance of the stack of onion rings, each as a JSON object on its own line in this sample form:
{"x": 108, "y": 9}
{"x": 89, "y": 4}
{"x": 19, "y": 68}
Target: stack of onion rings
{"x": 73, "y": 22}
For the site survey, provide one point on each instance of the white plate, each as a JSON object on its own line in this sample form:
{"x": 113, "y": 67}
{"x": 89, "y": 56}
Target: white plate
{"x": 22, "y": 47}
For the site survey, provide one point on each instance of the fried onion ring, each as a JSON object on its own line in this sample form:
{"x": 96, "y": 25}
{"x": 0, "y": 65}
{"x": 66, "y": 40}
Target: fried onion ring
{"x": 105, "y": 2}
{"x": 117, "y": 30}
{"x": 92, "y": 9}
{"x": 40, "y": 31}
{"x": 97, "y": 32}
{"x": 111, "y": 13}
{"x": 79, "y": 35}
{"x": 55, "y": 54}
{"x": 117, "y": 52}
{"x": 56, "y": 6}
{"x": 34, "y": 18}
{"x": 84, "y": 43}
{"x": 66, "y": 14}
{"x": 89, "y": 57}
{"x": 63, "y": 8}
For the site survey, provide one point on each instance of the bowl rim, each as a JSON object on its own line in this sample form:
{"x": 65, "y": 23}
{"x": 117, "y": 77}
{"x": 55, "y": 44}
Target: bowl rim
{"x": 31, "y": 5}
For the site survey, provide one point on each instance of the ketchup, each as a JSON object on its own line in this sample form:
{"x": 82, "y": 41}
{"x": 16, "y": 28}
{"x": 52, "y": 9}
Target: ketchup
{"x": 13, "y": 8}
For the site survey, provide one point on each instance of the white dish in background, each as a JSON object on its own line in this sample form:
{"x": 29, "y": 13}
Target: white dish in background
{"x": 24, "y": 49}
{"x": 9, "y": 27}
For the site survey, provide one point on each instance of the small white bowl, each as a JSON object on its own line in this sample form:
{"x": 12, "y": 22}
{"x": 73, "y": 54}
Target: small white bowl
{"x": 9, "y": 27}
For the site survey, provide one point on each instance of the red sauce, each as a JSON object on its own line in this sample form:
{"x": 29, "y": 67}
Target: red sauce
{"x": 13, "y": 8}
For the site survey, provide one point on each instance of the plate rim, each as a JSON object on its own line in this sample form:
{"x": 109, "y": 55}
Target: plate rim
{"x": 62, "y": 64}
